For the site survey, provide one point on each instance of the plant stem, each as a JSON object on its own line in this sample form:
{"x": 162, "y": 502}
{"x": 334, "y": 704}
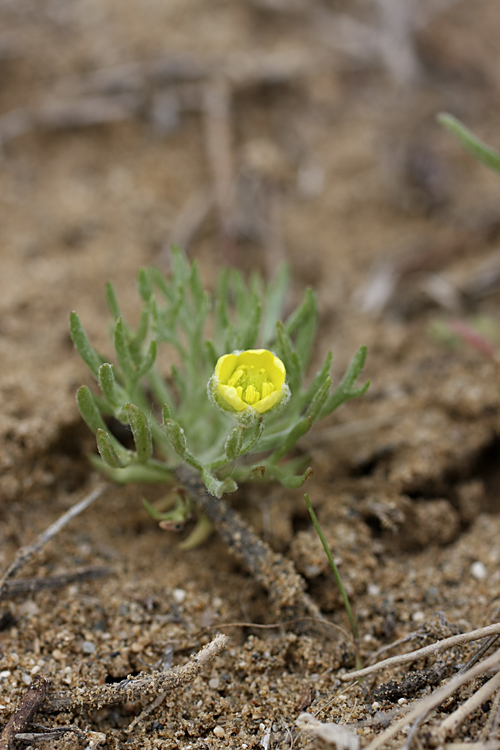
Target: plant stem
{"x": 285, "y": 586}
{"x": 353, "y": 620}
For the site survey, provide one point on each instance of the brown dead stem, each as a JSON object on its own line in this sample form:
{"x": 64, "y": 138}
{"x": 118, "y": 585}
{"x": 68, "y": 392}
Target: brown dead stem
{"x": 143, "y": 687}
{"x": 274, "y": 572}
{"x": 431, "y": 702}
{"x": 25, "y": 554}
{"x": 420, "y": 653}
{"x": 27, "y": 708}
{"x": 29, "y": 585}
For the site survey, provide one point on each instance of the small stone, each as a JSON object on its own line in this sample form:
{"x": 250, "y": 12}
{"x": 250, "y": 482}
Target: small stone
{"x": 88, "y": 647}
{"x": 478, "y": 571}
{"x": 214, "y": 683}
{"x": 26, "y": 678}
{"x": 418, "y": 616}
{"x": 219, "y": 732}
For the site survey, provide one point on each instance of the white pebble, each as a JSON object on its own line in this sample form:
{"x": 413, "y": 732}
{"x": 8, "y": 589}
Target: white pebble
{"x": 179, "y": 595}
{"x": 88, "y": 647}
{"x": 478, "y": 571}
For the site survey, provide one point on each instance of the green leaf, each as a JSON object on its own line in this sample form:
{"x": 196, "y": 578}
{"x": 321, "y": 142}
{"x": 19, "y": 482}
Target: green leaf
{"x": 346, "y": 390}
{"x": 180, "y": 265}
{"x": 316, "y": 383}
{"x": 291, "y": 481}
{"x": 123, "y": 351}
{"x": 82, "y": 344}
{"x": 144, "y": 284}
{"x": 196, "y": 287}
{"x": 211, "y": 353}
{"x": 112, "y": 300}
{"x": 88, "y": 409}
{"x": 134, "y": 472}
{"x": 177, "y": 439}
{"x": 289, "y": 357}
{"x": 234, "y": 441}
{"x": 304, "y": 322}
{"x": 148, "y": 359}
{"x": 113, "y": 393}
{"x": 175, "y": 435}
{"x": 297, "y": 431}
{"x": 479, "y": 150}
{"x": 141, "y": 431}
{"x": 107, "y": 451}
{"x": 138, "y": 339}
{"x": 251, "y": 332}
{"x": 215, "y": 486}
{"x": 319, "y": 399}
{"x": 156, "y": 277}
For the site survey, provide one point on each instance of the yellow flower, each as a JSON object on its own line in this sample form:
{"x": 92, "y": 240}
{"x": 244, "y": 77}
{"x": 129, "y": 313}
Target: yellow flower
{"x": 252, "y": 379}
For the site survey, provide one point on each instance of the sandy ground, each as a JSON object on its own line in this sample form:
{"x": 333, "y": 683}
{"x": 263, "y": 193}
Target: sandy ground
{"x": 122, "y": 128}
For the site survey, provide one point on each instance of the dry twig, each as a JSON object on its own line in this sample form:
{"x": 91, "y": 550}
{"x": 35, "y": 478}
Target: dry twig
{"x": 434, "y": 648}
{"x": 29, "y": 585}
{"x": 430, "y": 702}
{"x": 454, "y": 720}
{"x": 25, "y": 554}
{"x": 27, "y": 708}
{"x": 285, "y": 586}
{"x": 143, "y": 687}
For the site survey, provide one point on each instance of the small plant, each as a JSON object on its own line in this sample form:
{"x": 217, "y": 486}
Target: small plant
{"x": 479, "y": 150}
{"x": 234, "y": 403}
{"x": 353, "y": 620}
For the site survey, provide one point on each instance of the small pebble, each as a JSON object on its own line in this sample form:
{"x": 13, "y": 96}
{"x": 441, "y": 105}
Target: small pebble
{"x": 179, "y": 595}
{"x": 219, "y": 732}
{"x": 478, "y": 571}
{"x": 214, "y": 683}
{"x": 418, "y": 616}
{"x": 27, "y": 678}
{"x": 88, "y": 647}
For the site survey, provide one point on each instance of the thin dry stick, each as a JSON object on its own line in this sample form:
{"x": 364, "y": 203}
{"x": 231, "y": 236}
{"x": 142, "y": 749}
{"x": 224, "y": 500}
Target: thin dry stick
{"x": 454, "y": 720}
{"x": 273, "y": 625}
{"x": 491, "y": 726}
{"x": 143, "y": 687}
{"x": 29, "y": 585}
{"x": 22, "y": 716}
{"x": 434, "y": 648}
{"x": 432, "y": 701}
{"x": 273, "y": 571}
{"x": 25, "y": 554}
